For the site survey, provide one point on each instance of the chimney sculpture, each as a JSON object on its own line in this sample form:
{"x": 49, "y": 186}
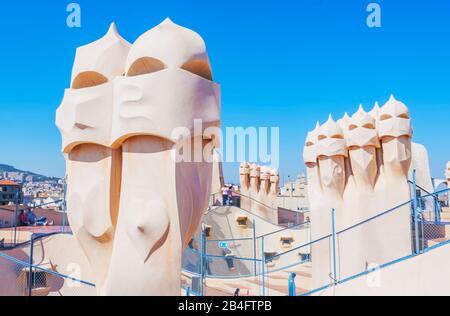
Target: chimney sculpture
{"x": 359, "y": 167}
{"x": 259, "y": 190}
{"x": 132, "y": 205}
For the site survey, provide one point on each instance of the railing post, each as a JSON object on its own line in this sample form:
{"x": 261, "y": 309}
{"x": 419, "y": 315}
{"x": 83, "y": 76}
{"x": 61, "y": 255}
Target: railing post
{"x": 254, "y": 248}
{"x": 16, "y": 209}
{"x": 292, "y": 287}
{"x": 30, "y": 266}
{"x": 263, "y": 262}
{"x": 416, "y": 218}
{"x": 64, "y": 208}
{"x": 333, "y": 234}
{"x": 437, "y": 212}
{"x": 203, "y": 259}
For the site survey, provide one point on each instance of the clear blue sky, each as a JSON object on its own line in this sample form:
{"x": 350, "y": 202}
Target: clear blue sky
{"x": 280, "y": 63}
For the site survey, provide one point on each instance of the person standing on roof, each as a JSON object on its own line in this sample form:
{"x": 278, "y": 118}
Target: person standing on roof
{"x": 225, "y": 193}
{"x": 230, "y": 196}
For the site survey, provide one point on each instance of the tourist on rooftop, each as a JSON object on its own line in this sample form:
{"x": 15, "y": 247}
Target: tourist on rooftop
{"x": 23, "y": 219}
{"x": 230, "y": 196}
{"x": 33, "y": 220}
{"x": 225, "y": 195}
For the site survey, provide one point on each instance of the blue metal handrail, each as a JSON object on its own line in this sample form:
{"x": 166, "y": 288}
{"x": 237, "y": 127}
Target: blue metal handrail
{"x": 37, "y": 267}
{"x": 284, "y": 229}
{"x": 414, "y": 254}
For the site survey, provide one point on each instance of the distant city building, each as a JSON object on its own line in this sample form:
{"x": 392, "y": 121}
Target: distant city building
{"x": 295, "y": 189}
{"x": 8, "y": 192}
{"x": 14, "y": 176}
{"x": 294, "y": 195}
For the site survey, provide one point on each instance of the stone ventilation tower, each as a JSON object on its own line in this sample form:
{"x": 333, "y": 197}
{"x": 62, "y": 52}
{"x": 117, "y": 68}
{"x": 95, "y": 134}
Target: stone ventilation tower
{"x": 132, "y": 206}
{"x": 259, "y": 190}
{"x": 359, "y": 166}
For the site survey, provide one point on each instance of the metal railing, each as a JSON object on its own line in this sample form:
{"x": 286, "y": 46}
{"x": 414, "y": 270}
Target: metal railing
{"x": 16, "y": 227}
{"x": 424, "y": 236}
{"x": 424, "y": 228}
{"x": 243, "y": 257}
{"x": 209, "y": 259}
{"x": 29, "y": 278}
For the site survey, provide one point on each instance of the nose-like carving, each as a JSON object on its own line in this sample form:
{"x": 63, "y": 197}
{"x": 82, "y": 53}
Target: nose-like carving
{"x": 147, "y": 224}
{"x": 396, "y": 150}
{"x": 132, "y": 92}
{"x": 331, "y": 170}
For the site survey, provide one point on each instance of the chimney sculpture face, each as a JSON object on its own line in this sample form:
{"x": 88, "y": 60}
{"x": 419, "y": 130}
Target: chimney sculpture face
{"x": 95, "y": 68}
{"x": 362, "y": 142}
{"x": 84, "y": 119}
{"x": 259, "y": 190}
{"x": 157, "y": 89}
{"x": 274, "y": 182}
{"x": 255, "y": 173}
{"x": 363, "y": 163}
{"x": 309, "y": 151}
{"x": 265, "y": 180}
{"x": 395, "y": 132}
{"x": 244, "y": 175}
{"x": 173, "y": 61}
{"x": 331, "y": 151}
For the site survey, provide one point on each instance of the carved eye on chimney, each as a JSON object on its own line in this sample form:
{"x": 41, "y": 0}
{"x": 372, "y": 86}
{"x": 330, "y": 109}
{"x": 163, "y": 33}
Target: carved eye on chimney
{"x": 200, "y": 68}
{"x": 145, "y": 65}
{"x": 352, "y": 127}
{"x": 369, "y": 126}
{"x": 88, "y": 79}
{"x": 385, "y": 117}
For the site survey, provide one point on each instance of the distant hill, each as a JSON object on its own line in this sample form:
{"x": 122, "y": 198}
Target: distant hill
{"x": 37, "y": 177}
